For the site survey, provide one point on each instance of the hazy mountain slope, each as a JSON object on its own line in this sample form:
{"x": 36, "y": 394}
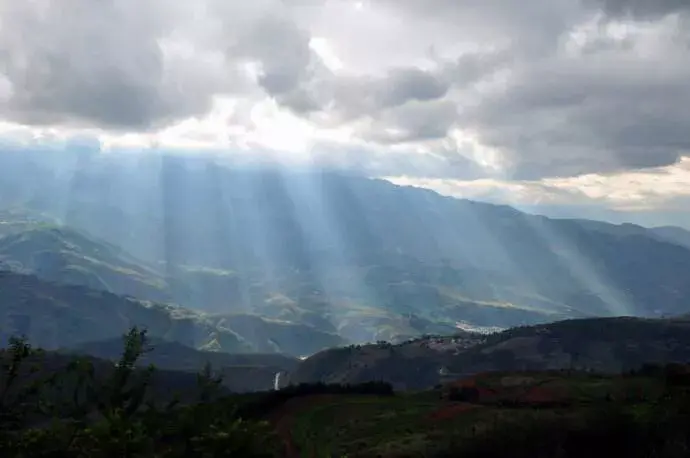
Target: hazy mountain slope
{"x": 14, "y": 220}
{"x": 602, "y": 344}
{"x": 333, "y": 251}
{"x": 673, "y": 234}
{"x": 54, "y": 316}
{"x": 66, "y": 256}
{"x": 274, "y": 335}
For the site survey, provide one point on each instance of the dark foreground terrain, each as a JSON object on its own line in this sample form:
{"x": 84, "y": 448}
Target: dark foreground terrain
{"x": 52, "y": 406}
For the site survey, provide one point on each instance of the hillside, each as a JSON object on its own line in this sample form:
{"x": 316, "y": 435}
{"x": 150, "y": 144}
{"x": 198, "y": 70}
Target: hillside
{"x": 63, "y": 255}
{"x": 308, "y": 322}
{"x": 14, "y": 220}
{"x": 508, "y": 414}
{"x": 241, "y": 372}
{"x": 359, "y": 258}
{"x": 672, "y": 234}
{"x": 56, "y": 316}
{"x": 166, "y": 384}
{"x": 605, "y": 345}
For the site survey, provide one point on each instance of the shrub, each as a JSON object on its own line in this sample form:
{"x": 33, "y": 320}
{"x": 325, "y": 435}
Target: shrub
{"x": 74, "y": 413}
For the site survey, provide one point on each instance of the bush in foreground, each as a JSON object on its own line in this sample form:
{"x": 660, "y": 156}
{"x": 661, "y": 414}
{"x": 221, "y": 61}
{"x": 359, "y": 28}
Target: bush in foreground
{"x": 75, "y": 413}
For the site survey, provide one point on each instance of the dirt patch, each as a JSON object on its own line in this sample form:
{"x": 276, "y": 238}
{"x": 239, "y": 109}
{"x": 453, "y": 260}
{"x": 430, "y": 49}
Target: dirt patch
{"x": 516, "y": 380}
{"x": 451, "y": 411}
{"x": 544, "y": 395}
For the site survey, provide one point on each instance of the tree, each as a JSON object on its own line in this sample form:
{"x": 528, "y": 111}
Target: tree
{"x": 77, "y": 412}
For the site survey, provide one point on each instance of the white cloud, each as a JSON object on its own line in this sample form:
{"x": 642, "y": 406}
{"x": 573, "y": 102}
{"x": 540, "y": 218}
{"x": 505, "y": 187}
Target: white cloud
{"x": 656, "y": 189}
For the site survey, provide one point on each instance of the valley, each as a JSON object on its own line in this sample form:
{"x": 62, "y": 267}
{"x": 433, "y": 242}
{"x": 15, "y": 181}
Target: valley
{"x": 325, "y": 258}
{"x": 460, "y": 320}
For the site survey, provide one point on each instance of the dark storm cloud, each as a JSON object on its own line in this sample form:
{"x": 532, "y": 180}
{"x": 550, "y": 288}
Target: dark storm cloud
{"x": 603, "y": 115}
{"x": 96, "y": 63}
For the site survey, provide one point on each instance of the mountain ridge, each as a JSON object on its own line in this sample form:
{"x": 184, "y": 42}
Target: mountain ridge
{"x": 53, "y": 316}
{"x": 360, "y": 258}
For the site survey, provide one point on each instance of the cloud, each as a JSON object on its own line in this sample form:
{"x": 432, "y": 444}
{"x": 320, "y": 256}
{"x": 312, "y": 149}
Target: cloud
{"x": 655, "y": 196}
{"x": 585, "y": 114}
{"x": 437, "y": 89}
{"x": 280, "y": 48}
{"x": 100, "y": 64}
{"x": 642, "y": 9}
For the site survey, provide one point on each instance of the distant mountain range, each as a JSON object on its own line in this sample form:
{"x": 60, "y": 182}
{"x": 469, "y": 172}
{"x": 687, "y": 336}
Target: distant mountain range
{"x": 269, "y": 260}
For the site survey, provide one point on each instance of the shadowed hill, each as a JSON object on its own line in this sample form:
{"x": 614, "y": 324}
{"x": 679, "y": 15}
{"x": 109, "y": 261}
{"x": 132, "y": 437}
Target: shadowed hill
{"x": 603, "y": 344}
{"x": 175, "y": 356}
{"x": 241, "y": 372}
{"x": 166, "y": 384}
{"x": 52, "y": 316}
{"x": 55, "y": 316}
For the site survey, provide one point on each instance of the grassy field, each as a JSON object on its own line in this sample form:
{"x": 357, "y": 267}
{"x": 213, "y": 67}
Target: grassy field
{"x": 428, "y": 423}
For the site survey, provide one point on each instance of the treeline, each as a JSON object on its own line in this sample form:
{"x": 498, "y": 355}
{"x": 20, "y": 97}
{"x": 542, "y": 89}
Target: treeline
{"x": 265, "y": 402}
{"x": 638, "y": 427}
{"x": 671, "y": 373}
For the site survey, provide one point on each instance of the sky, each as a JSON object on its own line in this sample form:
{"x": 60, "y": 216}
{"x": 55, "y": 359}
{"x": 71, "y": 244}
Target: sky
{"x": 569, "y": 107}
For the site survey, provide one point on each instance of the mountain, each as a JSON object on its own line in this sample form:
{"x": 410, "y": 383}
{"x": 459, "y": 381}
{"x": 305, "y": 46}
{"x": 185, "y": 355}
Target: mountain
{"x": 166, "y": 385}
{"x": 271, "y": 335}
{"x": 55, "y": 316}
{"x": 673, "y": 234}
{"x": 241, "y": 372}
{"x": 63, "y": 255}
{"x": 359, "y": 258}
{"x": 14, "y": 220}
{"x": 178, "y": 357}
{"x": 600, "y": 344}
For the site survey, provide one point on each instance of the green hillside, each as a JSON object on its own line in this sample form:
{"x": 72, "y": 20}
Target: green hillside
{"x": 66, "y": 256}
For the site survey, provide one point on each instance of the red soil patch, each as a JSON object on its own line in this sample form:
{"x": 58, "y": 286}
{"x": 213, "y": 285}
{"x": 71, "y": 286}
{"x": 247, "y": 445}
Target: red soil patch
{"x": 452, "y": 411}
{"x": 535, "y": 394}
{"x": 482, "y": 391}
{"x": 540, "y": 395}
